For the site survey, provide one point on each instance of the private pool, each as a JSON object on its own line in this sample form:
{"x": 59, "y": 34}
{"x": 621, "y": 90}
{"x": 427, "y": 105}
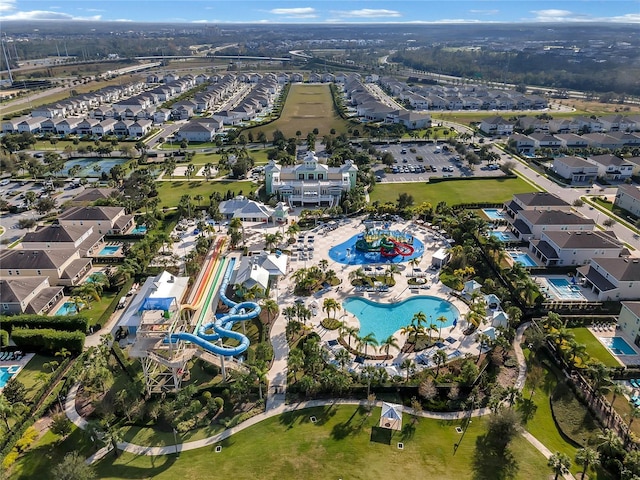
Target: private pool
{"x": 494, "y": 213}
{"x": 67, "y": 308}
{"x": 564, "y": 289}
{"x": 109, "y": 250}
{"x": 7, "y": 373}
{"x": 385, "y": 319}
{"x": 503, "y": 236}
{"x": 523, "y": 259}
{"x": 618, "y": 345}
{"x": 139, "y": 230}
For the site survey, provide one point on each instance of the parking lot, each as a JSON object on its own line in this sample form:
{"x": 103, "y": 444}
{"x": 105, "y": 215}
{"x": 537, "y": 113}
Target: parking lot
{"x": 435, "y": 162}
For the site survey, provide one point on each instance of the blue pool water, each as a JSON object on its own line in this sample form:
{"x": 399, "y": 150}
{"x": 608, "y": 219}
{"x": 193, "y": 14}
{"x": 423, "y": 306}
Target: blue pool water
{"x": 8, "y": 372}
{"x": 347, "y": 254}
{"x": 139, "y": 230}
{"x": 618, "y": 345}
{"x": 109, "y": 250}
{"x": 494, "y": 213}
{"x": 385, "y": 319}
{"x": 503, "y": 236}
{"x": 564, "y": 289}
{"x": 523, "y": 259}
{"x": 67, "y": 308}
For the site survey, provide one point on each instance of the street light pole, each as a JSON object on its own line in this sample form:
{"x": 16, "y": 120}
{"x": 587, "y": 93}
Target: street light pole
{"x": 175, "y": 441}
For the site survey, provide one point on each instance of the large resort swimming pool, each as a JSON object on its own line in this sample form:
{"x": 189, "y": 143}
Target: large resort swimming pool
{"x": 384, "y": 320}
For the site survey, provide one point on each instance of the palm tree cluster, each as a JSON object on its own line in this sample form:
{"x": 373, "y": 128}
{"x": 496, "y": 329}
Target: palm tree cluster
{"x": 308, "y": 280}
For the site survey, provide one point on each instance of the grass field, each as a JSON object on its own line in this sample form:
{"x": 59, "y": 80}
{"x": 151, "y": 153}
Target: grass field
{"x": 594, "y": 347}
{"x": 307, "y": 107}
{"x": 453, "y": 192}
{"x": 28, "y": 375}
{"x": 341, "y": 444}
{"x": 169, "y": 193}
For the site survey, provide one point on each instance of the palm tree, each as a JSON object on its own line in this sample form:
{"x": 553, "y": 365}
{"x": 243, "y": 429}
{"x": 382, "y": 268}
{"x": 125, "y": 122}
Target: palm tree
{"x": 391, "y": 271}
{"x": 441, "y": 320}
{"x": 634, "y": 413}
{"x": 586, "y": 457}
{"x": 270, "y": 307}
{"x": 295, "y": 362}
{"x": 330, "y": 305}
{"x": 351, "y": 332}
{"x": 559, "y": 463}
{"x": 439, "y": 358}
{"x": 260, "y": 371}
{"x": 483, "y": 340}
{"x": 389, "y": 342}
{"x": 343, "y": 357}
{"x": 407, "y": 364}
{"x": 323, "y": 264}
{"x": 610, "y": 444}
{"x": 418, "y": 321}
{"x": 512, "y": 394}
{"x": 408, "y": 330}
{"x": 616, "y": 389}
{"x": 368, "y": 340}
{"x": 414, "y": 262}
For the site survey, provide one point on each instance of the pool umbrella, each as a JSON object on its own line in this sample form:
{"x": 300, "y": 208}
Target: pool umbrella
{"x": 573, "y": 280}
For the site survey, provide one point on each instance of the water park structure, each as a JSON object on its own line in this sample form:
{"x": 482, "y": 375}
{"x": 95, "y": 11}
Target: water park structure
{"x": 170, "y": 334}
{"x": 388, "y": 243}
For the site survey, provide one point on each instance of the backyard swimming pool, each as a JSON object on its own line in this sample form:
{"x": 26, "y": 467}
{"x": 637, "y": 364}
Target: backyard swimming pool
{"x": 503, "y": 236}
{"x": 494, "y": 213}
{"x": 139, "y": 230}
{"x": 109, "y": 250}
{"x": 347, "y": 254}
{"x": 618, "y": 345}
{"x": 523, "y": 259}
{"x": 385, "y": 319}
{"x": 564, "y": 289}
{"x": 67, "y": 308}
{"x": 7, "y": 373}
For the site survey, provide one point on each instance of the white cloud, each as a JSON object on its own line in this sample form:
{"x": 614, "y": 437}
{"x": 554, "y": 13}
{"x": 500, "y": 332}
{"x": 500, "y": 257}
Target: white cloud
{"x": 301, "y": 12}
{"x": 46, "y": 15}
{"x": 7, "y": 5}
{"x": 554, "y": 15}
{"x": 368, "y": 13}
{"x": 123, "y": 20}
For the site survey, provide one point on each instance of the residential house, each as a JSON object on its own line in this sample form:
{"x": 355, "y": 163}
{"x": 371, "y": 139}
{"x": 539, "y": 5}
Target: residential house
{"x": 612, "y": 168}
{"x": 140, "y": 127}
{"x": 104, "y": 220}
{"x": 616, "y": 123}
{"x": 535, "y": 201}
{"x": 572, "y": 141}
{"x": 612, "y": 278}
{"x": 68, "y": 125}
{"x": 629, "y": 321}
{"x": 31, "y": 295}
{"x": 60, "y": 266}
{"x": 411, "y": 120}
{"x": 575, "y": 169}
{"x": 310, "y": 183}
{"x": 531, "y": 224}
{"x": 246, "y": 210}
{"x": 31, "y": 125}
{"x": 546, "y": 140}
{"x": 496, "y": 126}
{"x": 199, "y": 130}
{"x": 105, "y": 127}
{"x": 562, "y": 248}
{"x": 56, "y": 236}
{"x": 602, "y": 140}
{"x": 522, "y": 144}
{"x": 628, "y": 198}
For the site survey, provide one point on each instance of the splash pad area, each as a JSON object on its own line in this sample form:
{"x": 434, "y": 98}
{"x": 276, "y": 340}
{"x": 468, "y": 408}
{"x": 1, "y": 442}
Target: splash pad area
{"x": 377, "y": 245}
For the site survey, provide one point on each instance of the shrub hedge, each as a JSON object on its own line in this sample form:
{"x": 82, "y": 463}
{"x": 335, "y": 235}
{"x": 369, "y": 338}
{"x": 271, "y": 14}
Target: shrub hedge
{"x": 4, "y": 338}
{"x": 69, "y": 323}
{"x": 48, "y": 340}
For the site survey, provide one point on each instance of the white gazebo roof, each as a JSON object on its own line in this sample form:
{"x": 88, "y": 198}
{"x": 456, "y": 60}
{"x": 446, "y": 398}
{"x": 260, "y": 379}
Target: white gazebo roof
{"x": 391, "y": 416}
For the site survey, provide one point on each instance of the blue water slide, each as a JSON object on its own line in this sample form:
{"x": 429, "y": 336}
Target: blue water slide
{"x": 222, "y": 326}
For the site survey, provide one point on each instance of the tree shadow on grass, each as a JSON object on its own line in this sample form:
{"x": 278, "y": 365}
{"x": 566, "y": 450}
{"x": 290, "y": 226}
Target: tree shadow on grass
{"x": 491, "y": 462}
{"x": 344, "y": 429}
{"x": 107, "y": 468}
{"x": 527, "y": 409}
{"x": 321, "y": 415}
{"x": 408, "y": 431}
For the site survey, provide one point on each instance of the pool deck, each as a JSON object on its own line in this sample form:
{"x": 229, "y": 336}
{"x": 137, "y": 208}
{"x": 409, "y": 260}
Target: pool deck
{"x": 20, "y": 363}
{"x": 322, "y": 242}
{"x": 624, "y": 360}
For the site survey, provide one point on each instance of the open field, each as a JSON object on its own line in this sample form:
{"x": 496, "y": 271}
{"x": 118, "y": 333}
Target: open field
{"x": 307, "y": 107}
{"x": 453, "y": 192}
{"x": 594, "y": 347}
{"x": 169, "y": 193}
{"x": 339, "y": 445}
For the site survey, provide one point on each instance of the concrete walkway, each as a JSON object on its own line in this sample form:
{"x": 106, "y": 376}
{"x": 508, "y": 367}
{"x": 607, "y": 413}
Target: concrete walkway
{"x": 275, "y": 404}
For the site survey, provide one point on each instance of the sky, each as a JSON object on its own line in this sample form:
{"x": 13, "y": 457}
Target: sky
{"x": 324, "y": 11}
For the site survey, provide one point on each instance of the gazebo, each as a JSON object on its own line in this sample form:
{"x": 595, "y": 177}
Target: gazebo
{"x": 391, "y": 416}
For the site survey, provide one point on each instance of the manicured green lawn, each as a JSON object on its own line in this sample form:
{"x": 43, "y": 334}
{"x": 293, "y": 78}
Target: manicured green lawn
{"x": 453, "y": 192}
{"x": 307, "y": 107}
{"x": 28, "y": 374}
{"x": 169, "y": 193}
{"x": 339, "y": 445}
{"x": 594, "y": 347}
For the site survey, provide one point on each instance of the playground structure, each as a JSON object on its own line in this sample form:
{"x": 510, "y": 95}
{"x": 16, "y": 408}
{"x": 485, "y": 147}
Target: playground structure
{"x": 169, "y": 334}
{"x": 389, "y": 243}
